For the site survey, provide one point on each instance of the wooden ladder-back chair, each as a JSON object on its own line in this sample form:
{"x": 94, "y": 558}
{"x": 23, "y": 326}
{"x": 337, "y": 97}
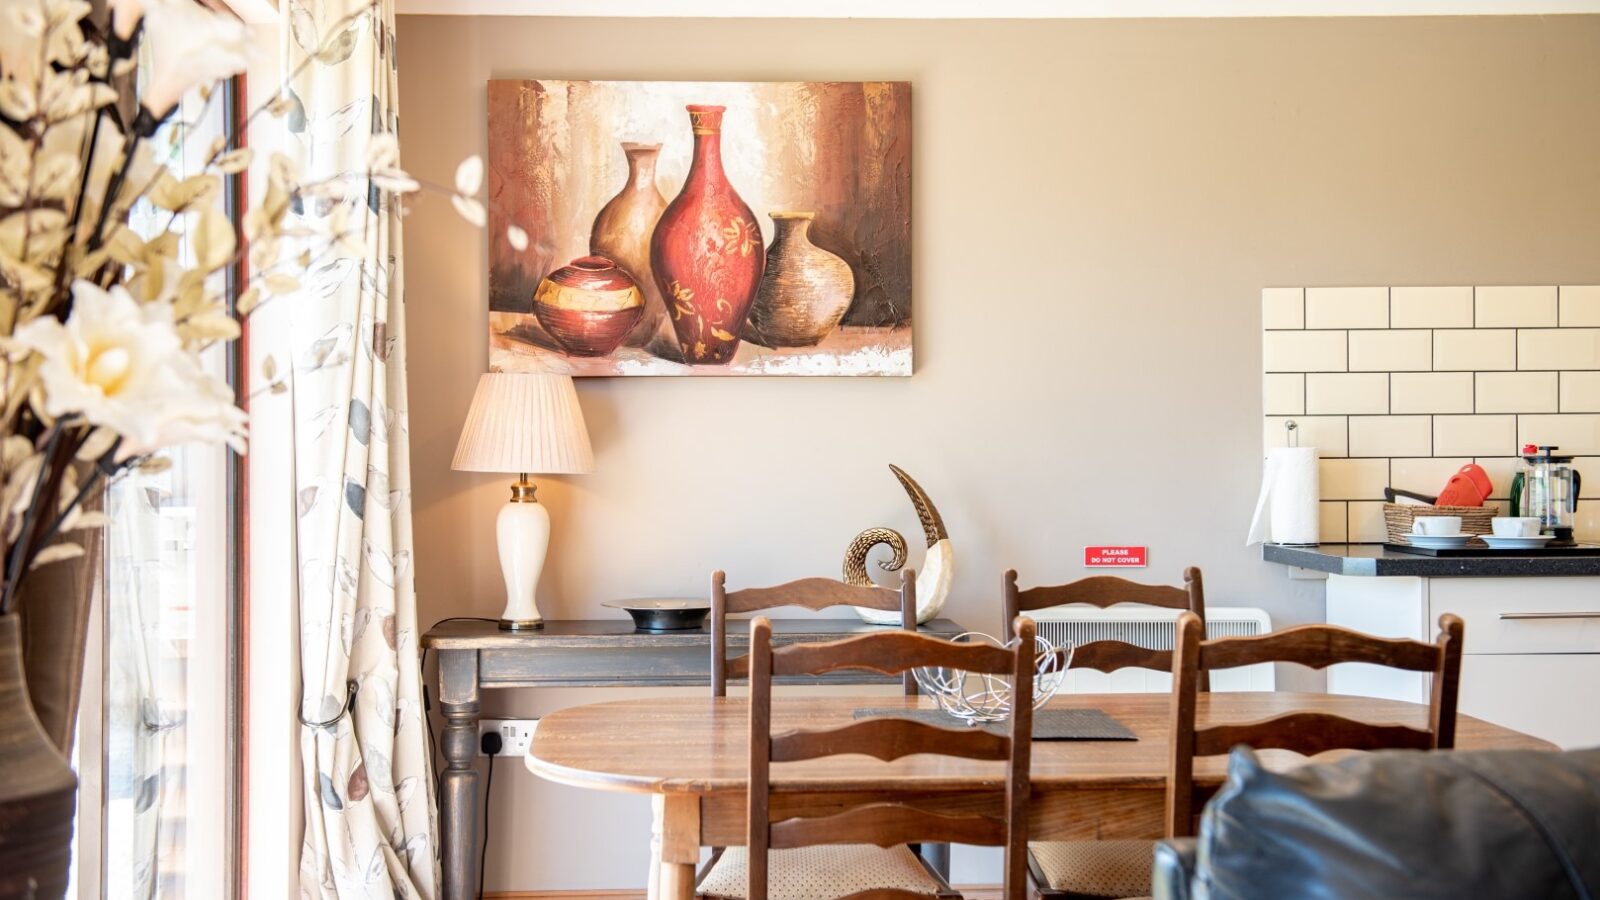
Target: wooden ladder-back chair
{"x": 1307, "y": 732}
{"x": 1105, "y": 591}
{"x": 1067, "y": 870}
{"x": 867, "y": 842}
{"x": 809, "y": 593}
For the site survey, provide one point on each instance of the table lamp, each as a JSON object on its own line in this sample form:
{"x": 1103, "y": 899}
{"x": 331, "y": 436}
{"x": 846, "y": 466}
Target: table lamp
{"x": 526, "y": 423}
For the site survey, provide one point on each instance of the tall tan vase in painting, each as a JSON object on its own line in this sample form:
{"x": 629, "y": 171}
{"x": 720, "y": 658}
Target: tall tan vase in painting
{"x": 805, "y": 291}
{"x": 622, "y": 234}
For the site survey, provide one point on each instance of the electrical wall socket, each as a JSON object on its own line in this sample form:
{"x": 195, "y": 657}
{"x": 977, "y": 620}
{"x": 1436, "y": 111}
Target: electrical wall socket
{"x": 516, "y": 735}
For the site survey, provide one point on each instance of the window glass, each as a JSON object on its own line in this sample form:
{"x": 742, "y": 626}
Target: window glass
{"x": 165, "y": 642}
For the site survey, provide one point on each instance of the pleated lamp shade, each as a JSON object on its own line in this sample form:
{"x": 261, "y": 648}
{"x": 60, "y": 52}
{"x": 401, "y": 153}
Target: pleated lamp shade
{"x": 524, "y": 423}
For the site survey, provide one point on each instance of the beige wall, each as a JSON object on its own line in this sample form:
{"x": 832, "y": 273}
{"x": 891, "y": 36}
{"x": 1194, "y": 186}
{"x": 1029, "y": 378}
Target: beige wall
{"x": 1099, "y": 204}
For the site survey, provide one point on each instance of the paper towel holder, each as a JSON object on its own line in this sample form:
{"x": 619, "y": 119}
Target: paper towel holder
{"x": 1291, "y": 435}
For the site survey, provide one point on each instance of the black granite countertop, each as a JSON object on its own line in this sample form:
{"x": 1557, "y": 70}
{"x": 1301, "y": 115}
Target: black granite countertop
{"x": 1375, "y": 559}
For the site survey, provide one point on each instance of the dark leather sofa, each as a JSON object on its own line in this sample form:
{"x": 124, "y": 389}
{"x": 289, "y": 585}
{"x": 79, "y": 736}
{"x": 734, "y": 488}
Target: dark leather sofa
{"x": 1488, "y": 825}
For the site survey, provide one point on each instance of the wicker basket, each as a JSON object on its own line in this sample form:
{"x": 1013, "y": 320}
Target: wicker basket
{"x": 1397, "y": 518}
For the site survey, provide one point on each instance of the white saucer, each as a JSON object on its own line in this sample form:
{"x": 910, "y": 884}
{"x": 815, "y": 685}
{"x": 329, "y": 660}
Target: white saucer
{"x": 1532, "y": 542}
{"x": 1439, "y": 541}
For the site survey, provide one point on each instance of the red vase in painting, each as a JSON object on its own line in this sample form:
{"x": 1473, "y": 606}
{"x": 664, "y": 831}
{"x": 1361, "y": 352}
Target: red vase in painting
{"x": 707, "y": 253}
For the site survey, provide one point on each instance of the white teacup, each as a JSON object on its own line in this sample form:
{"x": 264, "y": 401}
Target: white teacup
{"x": 1517, "y": 526}
{"x": 1445, "y": 526}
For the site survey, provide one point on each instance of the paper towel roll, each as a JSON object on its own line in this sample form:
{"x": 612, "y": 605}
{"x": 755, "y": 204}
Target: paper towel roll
{"x": 1286, "y": 510}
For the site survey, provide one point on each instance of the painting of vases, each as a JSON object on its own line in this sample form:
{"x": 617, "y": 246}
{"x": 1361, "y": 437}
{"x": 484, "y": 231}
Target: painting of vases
{"x": 657, "y": 185}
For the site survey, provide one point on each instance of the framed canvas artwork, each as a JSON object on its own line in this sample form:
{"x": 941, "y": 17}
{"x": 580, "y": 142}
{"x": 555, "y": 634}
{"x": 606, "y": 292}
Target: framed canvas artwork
{"x": 700, "y": 228}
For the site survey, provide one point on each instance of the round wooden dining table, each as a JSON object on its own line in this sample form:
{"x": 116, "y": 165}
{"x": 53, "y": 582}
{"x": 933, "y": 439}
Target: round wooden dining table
{"x": 691, "y": 755}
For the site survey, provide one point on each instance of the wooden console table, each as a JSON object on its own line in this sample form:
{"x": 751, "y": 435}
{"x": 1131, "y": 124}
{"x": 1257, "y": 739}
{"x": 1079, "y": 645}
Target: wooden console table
{"x": 475, "y": 655}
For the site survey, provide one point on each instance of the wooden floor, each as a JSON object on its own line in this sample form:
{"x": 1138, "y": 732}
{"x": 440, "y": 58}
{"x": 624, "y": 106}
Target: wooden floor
{"x": 988, "y": 892}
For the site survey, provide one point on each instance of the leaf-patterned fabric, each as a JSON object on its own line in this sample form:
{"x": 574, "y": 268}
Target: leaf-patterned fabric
{"x": 370, "y": 822}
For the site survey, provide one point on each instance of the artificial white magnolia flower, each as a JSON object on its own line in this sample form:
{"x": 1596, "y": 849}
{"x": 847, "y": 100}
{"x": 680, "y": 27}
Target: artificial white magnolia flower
{"x": 121, "y": 365}
{"x": 189, "y": 46}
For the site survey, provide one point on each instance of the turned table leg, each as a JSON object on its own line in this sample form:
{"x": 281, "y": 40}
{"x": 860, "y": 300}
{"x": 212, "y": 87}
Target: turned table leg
{"x": 458, "y": 786}
{"x": 675, "y": 845}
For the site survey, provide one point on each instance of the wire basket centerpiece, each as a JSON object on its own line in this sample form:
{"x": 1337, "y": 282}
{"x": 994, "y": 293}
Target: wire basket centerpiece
{"x": 977, "y": 698}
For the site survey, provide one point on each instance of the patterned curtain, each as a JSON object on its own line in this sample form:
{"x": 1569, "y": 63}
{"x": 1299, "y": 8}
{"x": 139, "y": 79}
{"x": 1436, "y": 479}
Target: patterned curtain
{"x": 370, "y": 819}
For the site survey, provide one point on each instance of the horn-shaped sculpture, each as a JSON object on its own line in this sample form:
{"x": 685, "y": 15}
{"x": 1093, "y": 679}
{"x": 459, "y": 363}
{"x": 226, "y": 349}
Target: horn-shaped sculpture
{"x": 938, "y": 567}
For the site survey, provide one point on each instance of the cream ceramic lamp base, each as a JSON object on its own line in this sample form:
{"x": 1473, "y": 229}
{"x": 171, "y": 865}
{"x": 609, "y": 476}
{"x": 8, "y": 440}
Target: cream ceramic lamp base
{"x": 526, "y": 422}
{"x": 522, "y": 533}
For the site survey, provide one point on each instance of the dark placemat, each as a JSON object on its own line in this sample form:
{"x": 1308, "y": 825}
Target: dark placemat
{"x": 1048, "y": 724}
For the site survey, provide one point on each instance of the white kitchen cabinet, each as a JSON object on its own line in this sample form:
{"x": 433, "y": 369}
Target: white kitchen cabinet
{"x": 1553, "y": 696}
{"x": 1531, "y": 651}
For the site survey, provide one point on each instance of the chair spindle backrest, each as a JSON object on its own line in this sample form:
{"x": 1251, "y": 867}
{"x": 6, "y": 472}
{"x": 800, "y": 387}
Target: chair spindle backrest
{"x": 1309, "y": 733}
{"x": 890, "y": 823}
{"x": 810, "y": 593}
{"x": 1105, "y": 591}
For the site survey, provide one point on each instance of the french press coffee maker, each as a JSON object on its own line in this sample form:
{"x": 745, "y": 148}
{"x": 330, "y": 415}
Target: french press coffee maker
{"x": 1548, "y": 489}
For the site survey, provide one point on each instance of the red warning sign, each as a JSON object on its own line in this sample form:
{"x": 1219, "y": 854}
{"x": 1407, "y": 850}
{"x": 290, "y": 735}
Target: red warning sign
{"x": 1114, "y": 557}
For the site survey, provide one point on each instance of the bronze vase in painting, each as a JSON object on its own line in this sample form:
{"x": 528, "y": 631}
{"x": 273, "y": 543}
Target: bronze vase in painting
{"x": 37, "y": 788}
{"x": 622, "y": 233}
{"x": 805, "y": 290}
{"x": 707, "y": 252}
{"x": 588, "y": 306}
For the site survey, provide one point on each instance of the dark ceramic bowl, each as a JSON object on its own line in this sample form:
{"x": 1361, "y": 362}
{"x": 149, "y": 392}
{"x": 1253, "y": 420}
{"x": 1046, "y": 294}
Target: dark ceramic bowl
{"x": 664, "y": 615}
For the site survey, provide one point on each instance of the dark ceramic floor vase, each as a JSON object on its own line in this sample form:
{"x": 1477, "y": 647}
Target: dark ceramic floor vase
{"x": 622, "y": 233}
{"x": 707, "y": 253}
{"x": 805, "y": 290}
{"x": 37, "y": 788}
{"x": 588, "y": 306}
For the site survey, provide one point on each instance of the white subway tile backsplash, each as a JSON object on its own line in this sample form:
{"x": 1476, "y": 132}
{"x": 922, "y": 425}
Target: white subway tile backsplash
{"x": 1558, "y": 348}
{"x": 1332, "y": 522}
{"x": 1391, "y": 436}
{"x": 1517, "y": 392}
{"x": 1430, "y": 392}
{"x": 1500, "y": 470}
{"x": 1353, "y": 479}
{"x": 1365, "y": 307}
{"x": 1381, "y": 379}
{"x": 1474, "y": 350}
{"x": 1283, "y": 308}
{"x": 1391, "y": 351}
{"x": 1586, "y": 523}
{"x": 1580, "y": 392}
{"x": 1580, "y": 306}
{"x": 1329, "y": 434}
{"x": 1516, "y": 307}
{"x": 1474, "y": 435}
{"x": 1343, "y": 393}
{"x": 1430, "y": 307}
{"x": 1283, "y": 395}
{"x": 1366, "y": 523}
{"x": 1425, "y": 475}
{"x": 1575, "y": 433}
{"x": 1591, "y": 487}
{"x": 1304, "y": 351}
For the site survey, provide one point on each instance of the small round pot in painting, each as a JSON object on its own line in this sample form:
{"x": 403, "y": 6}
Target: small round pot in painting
{"x": 588, "y": 305}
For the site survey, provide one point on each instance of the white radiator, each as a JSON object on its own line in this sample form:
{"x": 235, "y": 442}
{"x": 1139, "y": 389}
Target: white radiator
{"x": 1150, "y": 627}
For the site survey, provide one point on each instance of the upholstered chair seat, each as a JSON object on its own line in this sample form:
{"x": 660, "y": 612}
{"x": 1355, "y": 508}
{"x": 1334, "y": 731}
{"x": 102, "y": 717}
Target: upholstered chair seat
{"x": 1095, "y": 868}
{"x": 823, "y": 872}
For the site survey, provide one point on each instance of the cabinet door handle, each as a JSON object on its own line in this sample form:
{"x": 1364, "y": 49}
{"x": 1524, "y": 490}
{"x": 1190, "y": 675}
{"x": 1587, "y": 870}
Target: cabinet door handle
{"x": 1551, "y": 615}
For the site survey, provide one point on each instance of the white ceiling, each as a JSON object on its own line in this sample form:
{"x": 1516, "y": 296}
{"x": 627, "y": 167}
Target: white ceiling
{"x": 992, "y": 9}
